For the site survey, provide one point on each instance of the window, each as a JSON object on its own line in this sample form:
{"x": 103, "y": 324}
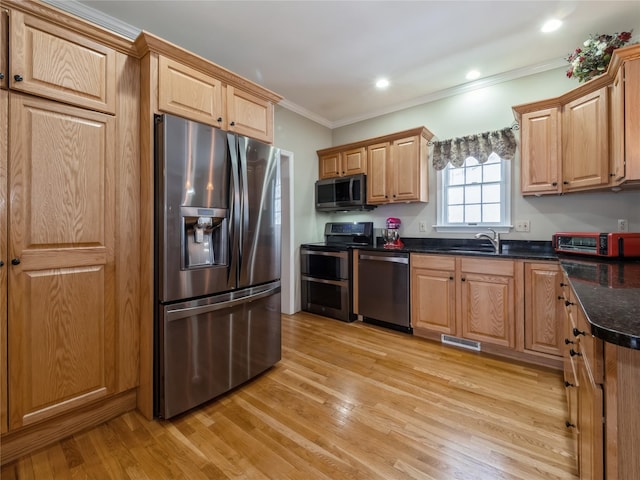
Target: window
{"x": 474, "y": 195}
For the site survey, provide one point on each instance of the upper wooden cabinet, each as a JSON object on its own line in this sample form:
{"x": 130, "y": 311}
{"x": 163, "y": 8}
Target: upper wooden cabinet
{"x": 181, "y": 83}
{"x": 186, "y": 92}
{"x": 585, "y": 149}
{"x": 342, "y": 163}
{"x": 585, "y": 139}
{"x": 540, "y": 146}
{"x": 396, "y": 165}
{"x": 54, "y": 62}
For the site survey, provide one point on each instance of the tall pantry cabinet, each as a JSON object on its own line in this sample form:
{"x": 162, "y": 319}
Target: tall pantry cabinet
{"x": 69, "y": 167}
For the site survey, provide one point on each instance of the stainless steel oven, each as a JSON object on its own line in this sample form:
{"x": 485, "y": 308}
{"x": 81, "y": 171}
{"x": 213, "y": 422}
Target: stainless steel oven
{"x": 326, "y": 269}
{"x": 325, "y": 282}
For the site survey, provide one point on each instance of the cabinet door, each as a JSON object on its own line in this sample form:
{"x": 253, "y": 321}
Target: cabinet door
{"x": 61, "y": 242}
{"x": 329, "y": 165}
{"x": 4, "y": 110}
{"x": 632, "y": 120}
{"x": 249, "y": 115}
{"x": 585, "y": 142}
{"x": 189, "y": 93}
{"x": 52, "y": 62}
{"x": 540, "y": 152}
{"x": 433, "y": 300}
{"x": 377, "y": 173}
{"x": 616, "y": 102}
{"x": 354, "y": 161}
{"x": 4, "y": 48}
{"x": 543, "y": 313}
{"x": 487, "y": 294}
{"x": 405, "y": 174}
{"x": 590, "y": 428}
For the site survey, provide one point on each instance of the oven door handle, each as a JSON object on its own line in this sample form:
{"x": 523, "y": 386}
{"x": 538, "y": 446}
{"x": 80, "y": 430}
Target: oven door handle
{"x": 339, "y": 283}
{"x": 326, "y": 254}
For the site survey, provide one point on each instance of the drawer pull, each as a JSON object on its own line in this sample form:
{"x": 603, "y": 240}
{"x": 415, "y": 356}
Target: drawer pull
{"x": 567, "y": 303}
{"x": 567, "y": 341}
{"x": 577, "y": 332}
{"x": 562, "y": 284}
{"x": 568, "y": 424}
{"x": 573, "y": 353}
{"x": 568, "y": 384}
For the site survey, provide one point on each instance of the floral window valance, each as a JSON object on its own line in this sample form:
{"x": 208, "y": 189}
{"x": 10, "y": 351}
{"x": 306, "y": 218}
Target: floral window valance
{"x": 480, "y": 146}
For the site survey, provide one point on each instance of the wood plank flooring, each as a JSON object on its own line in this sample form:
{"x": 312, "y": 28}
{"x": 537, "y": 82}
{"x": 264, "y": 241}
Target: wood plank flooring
{"x": 347, "y": 401}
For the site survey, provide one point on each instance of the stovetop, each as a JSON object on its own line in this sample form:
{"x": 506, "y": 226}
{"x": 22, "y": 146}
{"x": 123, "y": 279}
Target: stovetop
{"x": 342, "y": 235}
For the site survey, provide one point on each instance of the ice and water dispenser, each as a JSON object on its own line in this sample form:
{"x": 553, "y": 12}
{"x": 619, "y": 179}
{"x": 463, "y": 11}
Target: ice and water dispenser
{"x": 204, "y": 237}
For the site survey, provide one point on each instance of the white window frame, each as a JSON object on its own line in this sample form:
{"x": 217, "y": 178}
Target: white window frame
{"x": 505, "y": 211}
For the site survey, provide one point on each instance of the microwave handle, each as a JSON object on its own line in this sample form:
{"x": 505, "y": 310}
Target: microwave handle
{"x": 351, "y": 181}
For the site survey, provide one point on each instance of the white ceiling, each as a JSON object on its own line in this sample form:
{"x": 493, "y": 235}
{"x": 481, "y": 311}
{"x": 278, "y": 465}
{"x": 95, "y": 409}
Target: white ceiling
{"x": 323, "y": 57}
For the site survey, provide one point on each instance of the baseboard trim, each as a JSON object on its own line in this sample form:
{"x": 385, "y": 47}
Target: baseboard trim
{"x": 29, "y": 439}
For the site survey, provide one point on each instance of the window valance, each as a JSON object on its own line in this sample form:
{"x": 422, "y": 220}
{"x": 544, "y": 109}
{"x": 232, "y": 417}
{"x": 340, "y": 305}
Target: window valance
{"x": 479, "y": 146}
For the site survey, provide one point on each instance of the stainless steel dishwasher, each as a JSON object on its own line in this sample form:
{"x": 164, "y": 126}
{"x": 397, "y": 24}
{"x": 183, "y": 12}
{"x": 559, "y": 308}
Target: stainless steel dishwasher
{"x": 383, "y": 289}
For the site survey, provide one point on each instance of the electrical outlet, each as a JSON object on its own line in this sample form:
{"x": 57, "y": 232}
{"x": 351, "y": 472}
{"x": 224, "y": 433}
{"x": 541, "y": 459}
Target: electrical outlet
{"x": 623, "y": 226}
{"x": 522, "y": 226}
{"x": 422, "y": 226}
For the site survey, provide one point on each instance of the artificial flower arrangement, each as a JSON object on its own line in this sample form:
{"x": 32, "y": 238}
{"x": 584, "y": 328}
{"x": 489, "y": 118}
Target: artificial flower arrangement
{"x": 593, "y": 58}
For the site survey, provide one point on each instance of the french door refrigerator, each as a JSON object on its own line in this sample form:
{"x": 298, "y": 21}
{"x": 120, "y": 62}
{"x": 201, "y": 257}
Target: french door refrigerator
{"x": 217, "y": 262}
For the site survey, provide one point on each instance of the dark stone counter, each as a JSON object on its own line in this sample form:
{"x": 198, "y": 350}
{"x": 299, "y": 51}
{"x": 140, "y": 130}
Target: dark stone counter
{"x": 609, "y": 293}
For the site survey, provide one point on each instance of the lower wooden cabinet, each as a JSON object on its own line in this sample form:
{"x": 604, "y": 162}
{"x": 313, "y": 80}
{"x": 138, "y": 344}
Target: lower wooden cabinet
{"x": 433, "y": 293}
{"x": 543, "y": 308}
{"x": 468, "y": 297}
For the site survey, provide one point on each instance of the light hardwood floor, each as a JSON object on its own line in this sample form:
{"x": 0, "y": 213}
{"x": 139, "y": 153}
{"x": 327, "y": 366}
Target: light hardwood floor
{"x": 347, "y": 401}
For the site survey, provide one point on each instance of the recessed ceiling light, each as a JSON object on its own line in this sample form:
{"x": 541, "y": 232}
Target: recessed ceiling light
{"x": 382, "y": 83}
{"x": 473, "y": 74}
{"x": 551, "y": 25}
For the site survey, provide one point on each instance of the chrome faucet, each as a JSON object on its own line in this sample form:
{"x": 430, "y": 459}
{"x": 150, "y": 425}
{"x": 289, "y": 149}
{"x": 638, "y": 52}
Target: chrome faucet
{"x": 495, "y": 240}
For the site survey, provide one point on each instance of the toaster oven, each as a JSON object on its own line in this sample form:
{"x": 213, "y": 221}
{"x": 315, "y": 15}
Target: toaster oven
{"x": 619, "y": 244}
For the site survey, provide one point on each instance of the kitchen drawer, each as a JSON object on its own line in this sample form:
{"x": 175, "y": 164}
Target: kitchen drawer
{"x": 433, "y": 262}
{"x": 590, "y": 347}
{"x": 487, "y": 266}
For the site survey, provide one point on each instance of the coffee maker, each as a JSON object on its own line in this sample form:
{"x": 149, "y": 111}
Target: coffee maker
{"x": 391, "y": 234}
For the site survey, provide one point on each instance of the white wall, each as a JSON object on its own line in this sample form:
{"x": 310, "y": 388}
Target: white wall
{"x": 475, "y": 112}
{"x": 481, "y": 111}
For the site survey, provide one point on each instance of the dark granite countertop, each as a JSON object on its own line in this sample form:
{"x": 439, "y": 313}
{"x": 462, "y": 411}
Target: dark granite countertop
{"x": 608, "y": 290}
{"x": 516, "y": 249}
{"x": 609, "y": 293}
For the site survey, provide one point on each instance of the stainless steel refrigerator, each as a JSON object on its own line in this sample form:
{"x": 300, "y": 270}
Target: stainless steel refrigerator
{"x": 217, "y": 251}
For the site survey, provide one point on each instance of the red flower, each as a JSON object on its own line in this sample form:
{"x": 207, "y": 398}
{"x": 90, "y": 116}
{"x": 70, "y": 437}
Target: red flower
{"x": 624, "y": 36}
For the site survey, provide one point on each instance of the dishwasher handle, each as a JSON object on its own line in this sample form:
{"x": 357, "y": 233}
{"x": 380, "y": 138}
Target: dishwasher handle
{"x": 384, "y": 258}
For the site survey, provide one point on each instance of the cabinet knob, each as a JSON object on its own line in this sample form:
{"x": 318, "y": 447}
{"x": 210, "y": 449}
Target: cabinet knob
{"x": 15, "y": 261}
{"x": 573, "y": 353}
{"x": 560, "y": 297}
{"x": 233, "y": 124}
{"x": 565, "y": 183}
{"x": 463, "y": 279}
{"x": 1, "y": 263}
{"x": 554, "y": 184}
{"x": 568, "y": 424}
{"x": 567, "y": 341}
{"x": 563, "y": 284}
{"x": 219, "y": 119}
{"x": 450, "y": 278}
{"x": 18, "y": 78}
{"x": 568, "y": 384}
{"x": 567, "y": 303}
{"x": 577, "y": 332}
{"x": 1, "y": 76}
{"x": 612, "y": 174}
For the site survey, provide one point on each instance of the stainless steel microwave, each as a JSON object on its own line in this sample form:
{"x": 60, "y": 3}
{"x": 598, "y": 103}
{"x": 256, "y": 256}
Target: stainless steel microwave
{"x": 342, "y": 194}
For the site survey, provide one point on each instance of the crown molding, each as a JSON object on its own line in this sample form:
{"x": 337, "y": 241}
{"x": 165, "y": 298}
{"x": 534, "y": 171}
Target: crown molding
{"x": 99, "y": 18}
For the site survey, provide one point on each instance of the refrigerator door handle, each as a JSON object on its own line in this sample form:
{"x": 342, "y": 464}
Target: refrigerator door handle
{"x": 173, "y": 315}
{"x": 235, "y": 237}
{"x": 242, "y": 144}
